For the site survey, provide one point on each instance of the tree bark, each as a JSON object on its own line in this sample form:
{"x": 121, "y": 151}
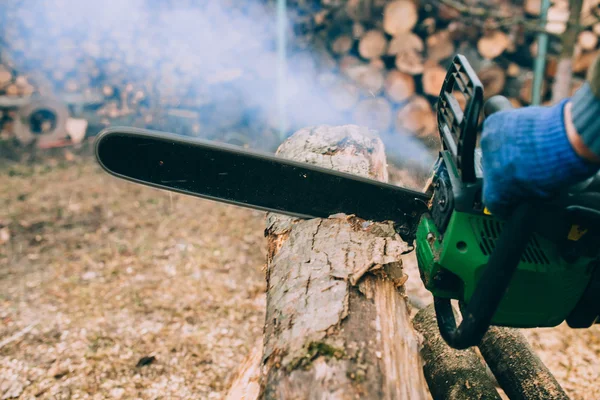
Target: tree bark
{"x": 451, "y": 374}
{"x": 520, "y": 372}
{"x": 337, "y": 322}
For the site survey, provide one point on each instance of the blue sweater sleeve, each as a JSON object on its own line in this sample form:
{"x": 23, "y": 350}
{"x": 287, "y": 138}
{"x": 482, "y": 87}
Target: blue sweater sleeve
{"x": 526, "y": 154}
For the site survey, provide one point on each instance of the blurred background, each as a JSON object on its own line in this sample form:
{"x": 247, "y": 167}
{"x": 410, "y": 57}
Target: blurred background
{"x": 110, "y": 290}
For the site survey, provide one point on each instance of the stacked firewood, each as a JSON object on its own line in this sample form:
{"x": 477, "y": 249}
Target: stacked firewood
{"x": 379, "y": 63}
{"x": 394, "y": 54}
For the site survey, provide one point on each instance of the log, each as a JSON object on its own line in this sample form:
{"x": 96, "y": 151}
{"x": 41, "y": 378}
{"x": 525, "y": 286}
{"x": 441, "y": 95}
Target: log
{"x": 12, "y": 90}
{"x": 526, "y": 85}
{"x": 451, "y": 374}
{"x": 447, "y": 13}
{"x": 433, "y": 78}
{"x": 513, "y": 70}
{"x": 399, "y": 17}
{"x": 533, "y": 7}
{"x": 337, "y": 324}
{"x": 342, "y": 44}
{"x": 399, "y": 86}
{"x": 439, "y": 46}
{"x": 464, "y": 32}
{"x": 358, "y": 30}
{"x": 519, "y": 371}
{"x": 493, "y": 78}
{"x": 587, "y": 40}
{"x": 558, "y": 15}
{"x": 378, "y": 63}
{"x": 417, "y": 117}
{"x": 493, "y": 44}
{"x": 369, "y": 78}
{"x": 343, "y": 96}
{"x": 374, "y": 113}
{"x": 583, "y": 61}
{"x": 347, "y": 62}
{"x": 408, "y": 49}
{"x": 373, "y": 44}
{"x": 361, "y": 10}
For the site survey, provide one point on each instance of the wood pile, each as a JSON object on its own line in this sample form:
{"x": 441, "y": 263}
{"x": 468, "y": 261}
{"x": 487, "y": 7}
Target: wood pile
{"x": 378, "y": 63}
{"x": 394, "y": 53}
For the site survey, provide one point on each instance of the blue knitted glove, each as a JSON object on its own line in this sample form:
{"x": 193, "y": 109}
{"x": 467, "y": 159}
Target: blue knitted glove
{"x": 526, "y": 154}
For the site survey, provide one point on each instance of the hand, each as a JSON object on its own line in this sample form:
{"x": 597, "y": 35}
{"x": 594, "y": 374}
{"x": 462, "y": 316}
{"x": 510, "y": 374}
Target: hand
{"x": 526, "y": 155}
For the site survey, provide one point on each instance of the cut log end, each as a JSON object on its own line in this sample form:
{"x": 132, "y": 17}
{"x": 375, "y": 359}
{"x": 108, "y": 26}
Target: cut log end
{"x": 439, "y": 46}
{"x": 417, "y": 118}
{"x": 433, "y": 78}
{"x": 408, "y": 49}
{"x": 342, "y": 44}
{"x": 493, "y": 44}
{"x": 399, "y": 86}
{"x": 372, "y": 45}
{"x": 399, "y": 17}
{"x": 493, "y": 79}
{"x": 369, "y": 78}
{"x": 587, "y": 40}
{"x": 374, "y": 113}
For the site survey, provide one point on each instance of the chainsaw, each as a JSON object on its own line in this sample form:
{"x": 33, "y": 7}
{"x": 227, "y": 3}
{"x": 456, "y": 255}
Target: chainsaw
{"x": 536, "y": 268}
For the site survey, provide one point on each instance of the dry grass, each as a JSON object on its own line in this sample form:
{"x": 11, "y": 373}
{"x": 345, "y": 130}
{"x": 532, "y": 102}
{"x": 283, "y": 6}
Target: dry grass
{"x": 97, "y": 276}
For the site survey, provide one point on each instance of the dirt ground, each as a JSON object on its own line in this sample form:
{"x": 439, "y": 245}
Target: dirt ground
{"x": 113, "y": 290}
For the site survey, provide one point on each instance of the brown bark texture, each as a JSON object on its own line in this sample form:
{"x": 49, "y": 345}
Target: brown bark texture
{"x": 519, "y": 371}
{"x": 337, "y": 321}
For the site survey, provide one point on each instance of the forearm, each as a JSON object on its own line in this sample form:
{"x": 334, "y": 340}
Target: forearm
{"x": 582, "y": 116}
{"x": 575, "y": 139}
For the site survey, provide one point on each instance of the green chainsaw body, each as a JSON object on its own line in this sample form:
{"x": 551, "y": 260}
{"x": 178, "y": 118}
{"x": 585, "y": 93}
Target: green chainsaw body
{"x": 545, "y": 287}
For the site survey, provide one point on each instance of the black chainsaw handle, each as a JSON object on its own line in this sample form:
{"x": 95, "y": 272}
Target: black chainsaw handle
{"x": 496, "y": 277}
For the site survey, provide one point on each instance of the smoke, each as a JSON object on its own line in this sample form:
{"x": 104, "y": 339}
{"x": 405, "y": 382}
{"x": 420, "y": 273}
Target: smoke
{"x": 216, "y": 57}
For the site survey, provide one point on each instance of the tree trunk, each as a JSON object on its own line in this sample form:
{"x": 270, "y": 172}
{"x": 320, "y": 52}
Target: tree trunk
{"x": 337, "y": 322}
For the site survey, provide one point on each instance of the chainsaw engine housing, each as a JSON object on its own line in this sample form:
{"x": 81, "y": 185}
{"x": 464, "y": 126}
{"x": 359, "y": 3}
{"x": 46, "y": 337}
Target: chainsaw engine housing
{"x": 549, "y": 281}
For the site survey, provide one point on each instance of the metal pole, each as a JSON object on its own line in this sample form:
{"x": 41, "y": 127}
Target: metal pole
{"x": 281, "y": 66}
{"x": 540, "y": 61}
